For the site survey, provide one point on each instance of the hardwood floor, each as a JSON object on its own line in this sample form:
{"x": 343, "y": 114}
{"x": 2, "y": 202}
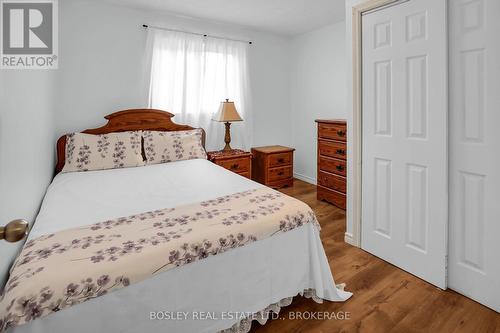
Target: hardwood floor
{"x": 386, "y": 298}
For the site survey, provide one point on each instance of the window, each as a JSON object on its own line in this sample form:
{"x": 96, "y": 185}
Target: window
{"x": 191, "y": 75}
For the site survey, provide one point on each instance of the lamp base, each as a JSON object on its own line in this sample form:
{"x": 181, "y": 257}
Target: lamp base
{"x": 227, "y": 137}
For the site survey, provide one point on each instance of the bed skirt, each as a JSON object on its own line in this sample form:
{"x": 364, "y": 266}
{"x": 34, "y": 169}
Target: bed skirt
{"x": 245, "y": 324}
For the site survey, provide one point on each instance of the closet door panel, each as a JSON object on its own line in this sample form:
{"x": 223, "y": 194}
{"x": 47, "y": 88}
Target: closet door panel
{"x": 474, "y": 216}
{"x": 404, "y": 129}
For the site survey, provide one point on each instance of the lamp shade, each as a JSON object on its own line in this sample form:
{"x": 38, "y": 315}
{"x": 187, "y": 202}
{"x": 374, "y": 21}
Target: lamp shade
{"x": 227, "y": 112}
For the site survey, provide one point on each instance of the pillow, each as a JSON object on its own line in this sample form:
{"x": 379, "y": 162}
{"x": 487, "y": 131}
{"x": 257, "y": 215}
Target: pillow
{"x": 86, "y": 152}
{"x": 162, "y": 147}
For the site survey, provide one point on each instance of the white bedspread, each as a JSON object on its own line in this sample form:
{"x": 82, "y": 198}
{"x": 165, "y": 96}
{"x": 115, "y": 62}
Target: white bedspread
{"x": 81, "y": 198}
{"x": 246, "y": 279}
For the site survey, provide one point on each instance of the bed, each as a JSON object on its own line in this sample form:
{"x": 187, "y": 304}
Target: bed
{"x": 217, "y": 293}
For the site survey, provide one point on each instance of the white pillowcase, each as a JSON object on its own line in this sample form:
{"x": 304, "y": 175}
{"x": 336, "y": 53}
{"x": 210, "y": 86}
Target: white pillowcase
{"x": 86, "y": 152}
{"x": 162, "y": 147}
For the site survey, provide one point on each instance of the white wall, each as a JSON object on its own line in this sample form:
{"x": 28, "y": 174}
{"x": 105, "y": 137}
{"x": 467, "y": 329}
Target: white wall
{"x": 101, "y": 66}
{"x": 317, "y": 90}
{"x": 26, "y": 148}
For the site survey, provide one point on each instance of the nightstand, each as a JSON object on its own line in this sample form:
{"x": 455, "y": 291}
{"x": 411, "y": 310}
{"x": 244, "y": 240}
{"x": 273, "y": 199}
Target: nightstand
{"x": 273, "y": 166}
{"x": 236, "y": 160}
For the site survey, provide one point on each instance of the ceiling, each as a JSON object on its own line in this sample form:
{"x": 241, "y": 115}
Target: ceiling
{"x": 288, "y": 17}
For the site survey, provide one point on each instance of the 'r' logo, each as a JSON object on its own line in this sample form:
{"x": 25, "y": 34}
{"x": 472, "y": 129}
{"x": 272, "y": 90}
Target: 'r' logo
{"x": 27, "y": 28}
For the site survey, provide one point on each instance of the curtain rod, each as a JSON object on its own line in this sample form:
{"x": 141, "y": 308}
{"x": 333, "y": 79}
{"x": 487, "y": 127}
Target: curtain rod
{"x": 146, "y": 26}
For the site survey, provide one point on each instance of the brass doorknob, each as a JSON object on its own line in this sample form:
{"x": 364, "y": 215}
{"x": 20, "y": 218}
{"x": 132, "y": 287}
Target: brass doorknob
{"x": 14, "y": 231}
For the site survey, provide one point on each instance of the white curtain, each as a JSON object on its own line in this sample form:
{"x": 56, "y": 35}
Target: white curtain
{"x": 191, "y": 75}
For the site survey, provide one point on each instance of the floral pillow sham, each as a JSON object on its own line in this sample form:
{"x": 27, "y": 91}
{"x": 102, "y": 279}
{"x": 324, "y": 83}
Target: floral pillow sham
{"x": 163, "y": 147}
{"x": 87, "y": 152}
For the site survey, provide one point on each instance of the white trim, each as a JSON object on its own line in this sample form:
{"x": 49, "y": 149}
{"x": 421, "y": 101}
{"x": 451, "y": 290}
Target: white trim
{"x": 395, "y": 3}
{"x": 305, "y": 178}
{"x": 348, "y": 239}
{"x": 355, "y": 128}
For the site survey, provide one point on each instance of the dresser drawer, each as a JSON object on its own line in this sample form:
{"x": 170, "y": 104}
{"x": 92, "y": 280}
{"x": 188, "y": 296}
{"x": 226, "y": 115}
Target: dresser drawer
{"x": 334, "y": 182}
{"x": 280, "y": 159}
{"x": 237, "y": 165}
{"x": 333, "y": 165}
{"x": 334, "y": 197}
{"x": 332, "y": 131}
{"x": 279, "y": 173}
{"x": 281, "y": 183}
{"x": 333, "y": 149}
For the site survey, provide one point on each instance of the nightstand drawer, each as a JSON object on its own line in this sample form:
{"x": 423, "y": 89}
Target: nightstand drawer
{"x": 245, "y": 174}
{"x": 333, "y": 131}
{"x": 337, "y": 183}
{"x": 333, "y": 165}
{"x": 281, "y": 183}
{"x": 237, "y": 165}
{"x": 276, "y": 160}
{"x": 332, "y": 149}
{"x": 280, "y": 173}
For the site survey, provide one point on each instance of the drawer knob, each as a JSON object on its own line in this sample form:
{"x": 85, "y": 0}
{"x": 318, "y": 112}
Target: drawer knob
{"x": 281, "y": 160}
{"x": 341, "y": 133}
{"x": 281, "y": 173}
{"x": 341, "y": 151}
{"x": 340, "y": 167}
{"x": 234, "y": 166}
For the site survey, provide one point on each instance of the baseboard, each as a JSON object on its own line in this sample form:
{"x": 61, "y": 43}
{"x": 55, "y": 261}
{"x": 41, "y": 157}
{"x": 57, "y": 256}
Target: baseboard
{"x": 307, "y": 179}
{"x": 349, "y": 239}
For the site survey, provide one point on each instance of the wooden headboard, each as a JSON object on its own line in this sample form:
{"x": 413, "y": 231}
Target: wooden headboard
{"x": 128, "y": 120}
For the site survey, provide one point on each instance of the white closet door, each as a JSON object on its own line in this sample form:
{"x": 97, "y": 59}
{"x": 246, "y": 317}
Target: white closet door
{"x": 474, "y": 262}
{"x": 404, "y": 162}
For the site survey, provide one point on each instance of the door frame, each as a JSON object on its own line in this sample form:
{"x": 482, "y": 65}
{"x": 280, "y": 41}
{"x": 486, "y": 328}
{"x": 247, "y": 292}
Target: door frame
{"x": 357, "y": 109}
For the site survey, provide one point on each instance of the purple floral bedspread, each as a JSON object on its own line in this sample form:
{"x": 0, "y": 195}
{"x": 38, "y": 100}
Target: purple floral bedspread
{"x": 56, "y": 271}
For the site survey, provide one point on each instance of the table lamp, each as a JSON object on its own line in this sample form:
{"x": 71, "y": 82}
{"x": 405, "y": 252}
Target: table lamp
{"x": 227, "y": 113}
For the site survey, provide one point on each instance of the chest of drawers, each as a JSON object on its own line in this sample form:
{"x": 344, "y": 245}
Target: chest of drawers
{"x": 332, "y": 164}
